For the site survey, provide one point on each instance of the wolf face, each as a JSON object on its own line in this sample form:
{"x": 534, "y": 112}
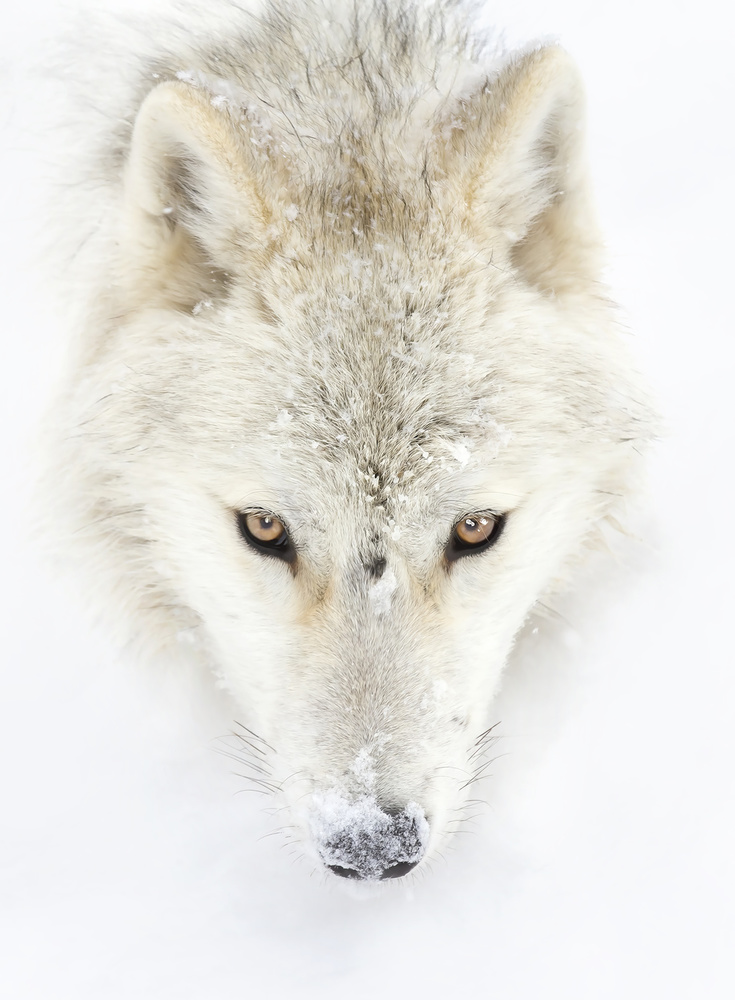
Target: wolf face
{"x": 351, "y": 397}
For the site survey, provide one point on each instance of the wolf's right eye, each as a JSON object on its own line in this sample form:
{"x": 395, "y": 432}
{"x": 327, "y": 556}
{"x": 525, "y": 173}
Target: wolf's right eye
{"x": 267, "y": 534}
{"x": 474, "y": 534}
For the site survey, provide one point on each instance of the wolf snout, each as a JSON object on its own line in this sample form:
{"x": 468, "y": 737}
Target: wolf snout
{"x": 357, "y": 839}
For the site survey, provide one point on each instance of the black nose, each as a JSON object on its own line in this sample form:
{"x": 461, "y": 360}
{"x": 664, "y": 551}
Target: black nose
{"x": 389, "y": 846}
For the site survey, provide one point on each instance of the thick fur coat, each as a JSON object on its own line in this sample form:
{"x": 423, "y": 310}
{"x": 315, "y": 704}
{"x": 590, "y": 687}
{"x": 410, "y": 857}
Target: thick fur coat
{"x": 337, "y": 267}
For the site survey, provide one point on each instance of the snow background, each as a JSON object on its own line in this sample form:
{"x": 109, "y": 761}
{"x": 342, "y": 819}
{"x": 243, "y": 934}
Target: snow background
{"x": 129, "y": 866}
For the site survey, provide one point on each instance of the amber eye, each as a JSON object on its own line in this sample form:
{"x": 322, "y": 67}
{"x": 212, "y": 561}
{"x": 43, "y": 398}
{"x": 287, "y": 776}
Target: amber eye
{"x": 264, "y": 527}
{"x": 473, "y": 534}
{"x": 266, "y": 533}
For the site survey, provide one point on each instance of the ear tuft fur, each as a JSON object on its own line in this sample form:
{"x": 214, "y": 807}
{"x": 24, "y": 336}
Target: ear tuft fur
{"x": 518, "y": 148}
{"x": 192, "y": 210}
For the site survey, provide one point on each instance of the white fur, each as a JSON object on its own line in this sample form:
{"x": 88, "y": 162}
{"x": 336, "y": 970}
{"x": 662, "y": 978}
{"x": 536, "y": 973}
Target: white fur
{"x": 341, "y": 267}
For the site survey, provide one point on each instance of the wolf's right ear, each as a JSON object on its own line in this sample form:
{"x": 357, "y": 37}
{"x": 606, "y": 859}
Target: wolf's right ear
{"x": 192, "y": 209}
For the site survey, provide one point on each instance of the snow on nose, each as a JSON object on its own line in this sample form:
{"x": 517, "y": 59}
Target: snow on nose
{"x": 357, "y": 839}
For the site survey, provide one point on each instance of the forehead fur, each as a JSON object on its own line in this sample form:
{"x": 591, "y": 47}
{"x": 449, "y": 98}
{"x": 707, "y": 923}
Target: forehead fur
{"x": 374, "y": 340}
{"x": 376, "y": 363}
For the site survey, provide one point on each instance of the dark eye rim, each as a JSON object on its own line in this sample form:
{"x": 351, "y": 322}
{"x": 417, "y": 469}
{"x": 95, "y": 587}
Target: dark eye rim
{"x": 280, "y": 548}
{"x": 457, "y": 549}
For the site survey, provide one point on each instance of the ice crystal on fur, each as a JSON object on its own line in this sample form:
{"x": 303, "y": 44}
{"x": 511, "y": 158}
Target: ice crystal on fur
{"x": 382, "y": 592}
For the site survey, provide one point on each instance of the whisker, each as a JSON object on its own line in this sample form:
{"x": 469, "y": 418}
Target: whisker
{"x": 251, "y": 746}
{"x": 234, "y": 755}
{"x": 483, "y": 748}
{"x": 268, "y": 785}
{"x": 255, "y": 736}
{"x": 483, "y": 736}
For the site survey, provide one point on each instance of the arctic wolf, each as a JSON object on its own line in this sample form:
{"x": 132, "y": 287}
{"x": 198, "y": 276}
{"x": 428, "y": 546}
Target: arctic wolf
{"x": 348, "y": 396}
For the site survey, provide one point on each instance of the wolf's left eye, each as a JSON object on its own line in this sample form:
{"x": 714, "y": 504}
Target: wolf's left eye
{"x": 266, "y": 534}
{"x": 474, "y": 533}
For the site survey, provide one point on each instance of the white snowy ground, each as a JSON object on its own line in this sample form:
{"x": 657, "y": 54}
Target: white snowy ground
{"x": 603, "y": 868}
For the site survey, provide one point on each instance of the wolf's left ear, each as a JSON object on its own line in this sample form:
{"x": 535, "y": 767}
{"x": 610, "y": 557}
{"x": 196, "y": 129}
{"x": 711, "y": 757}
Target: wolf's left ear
{"x": 192, "y": 206}
{"x": 518, "y": 147}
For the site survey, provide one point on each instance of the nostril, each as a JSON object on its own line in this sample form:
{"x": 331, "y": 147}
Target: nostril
{"x": 344, "y": 872}
{"x": 399, "y": 870}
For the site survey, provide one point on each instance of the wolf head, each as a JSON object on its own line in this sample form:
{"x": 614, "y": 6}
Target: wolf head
{"x": 351, "y": 402}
